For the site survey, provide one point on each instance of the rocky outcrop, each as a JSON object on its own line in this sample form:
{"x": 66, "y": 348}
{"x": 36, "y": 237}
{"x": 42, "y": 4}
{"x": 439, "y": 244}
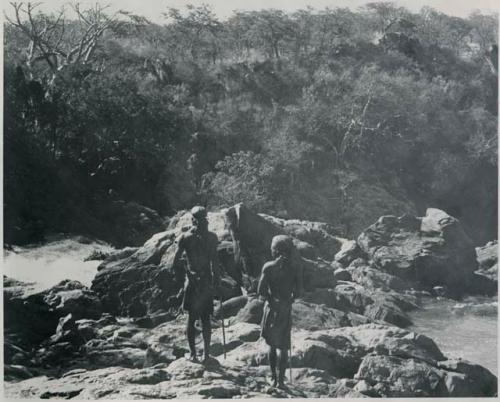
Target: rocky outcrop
{"x": 321, "y": 235}
{"x": 429, "y": 251}
{"x": 31, "y": 317}
{"x": 487, "y": 258}
{"x": 145, "y": 281}
{"x": 348, "y": 328}
{"x": 121, "y": 359}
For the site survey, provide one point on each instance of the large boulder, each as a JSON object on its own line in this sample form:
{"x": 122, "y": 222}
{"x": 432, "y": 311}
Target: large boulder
{"x": 429, "y": 251}
{"x": 31, "y": 317}
{"x": 321, "y": 235}
{"x": 376, "y": 305}
{"x": 141, "y": 283}
{"x": 397, "y": 377}
{"x": 394, "y": 376}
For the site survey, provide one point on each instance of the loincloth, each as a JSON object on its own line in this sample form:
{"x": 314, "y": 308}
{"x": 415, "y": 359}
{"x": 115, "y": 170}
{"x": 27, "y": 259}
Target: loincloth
{"x": 198, "y": 298}
{"x": 277, "y": 323}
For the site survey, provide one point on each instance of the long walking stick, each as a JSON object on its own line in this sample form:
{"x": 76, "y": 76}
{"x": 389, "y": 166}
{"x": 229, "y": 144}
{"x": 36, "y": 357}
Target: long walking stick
{"x": 290, "y": 363}
{"x": 223, "y": 329}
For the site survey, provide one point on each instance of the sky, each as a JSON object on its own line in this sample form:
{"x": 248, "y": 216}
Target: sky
{"x": 153, "y": 9}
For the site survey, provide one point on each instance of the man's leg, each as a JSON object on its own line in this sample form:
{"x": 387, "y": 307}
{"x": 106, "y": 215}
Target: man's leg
{"x": 207, "y": 334}
{"x": 272, "y": 363}
{"x": 282, "y": 367}
{"x": 191, "y": 335}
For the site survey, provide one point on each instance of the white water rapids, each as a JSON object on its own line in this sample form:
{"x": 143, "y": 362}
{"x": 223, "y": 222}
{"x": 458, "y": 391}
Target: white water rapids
{"x": 48, "y": 264}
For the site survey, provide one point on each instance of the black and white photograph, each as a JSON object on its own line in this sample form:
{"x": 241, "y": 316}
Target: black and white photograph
{"x": 250, "y": 199}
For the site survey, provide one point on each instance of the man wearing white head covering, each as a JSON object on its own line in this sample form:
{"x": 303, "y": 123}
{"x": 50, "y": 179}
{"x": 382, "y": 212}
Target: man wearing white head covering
{"x": 280, "y": 283}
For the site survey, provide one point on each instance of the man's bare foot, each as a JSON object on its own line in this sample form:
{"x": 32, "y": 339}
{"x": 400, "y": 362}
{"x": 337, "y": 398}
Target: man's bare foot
{"x": 193, "y": 358}
{"x": 281, "y": 385}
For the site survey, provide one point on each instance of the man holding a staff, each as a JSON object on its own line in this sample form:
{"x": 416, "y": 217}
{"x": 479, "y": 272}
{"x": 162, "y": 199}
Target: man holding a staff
{"x": 280, "y": 283}
{"x": 202, "y": 278}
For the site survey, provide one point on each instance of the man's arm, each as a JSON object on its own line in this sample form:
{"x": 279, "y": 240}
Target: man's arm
{"x": 263, "y": 287}
{"x": 299, "y": 277}
{"x": 179, "y": 251}
{"x": 177, "y": 265}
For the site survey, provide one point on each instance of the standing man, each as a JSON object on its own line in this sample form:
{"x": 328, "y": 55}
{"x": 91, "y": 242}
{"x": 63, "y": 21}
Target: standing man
{"x": 280, "y": 283}
{"x": 202, "y": 277}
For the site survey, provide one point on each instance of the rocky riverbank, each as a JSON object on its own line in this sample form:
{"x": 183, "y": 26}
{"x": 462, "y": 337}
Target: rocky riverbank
{"x": 124, "y": 336}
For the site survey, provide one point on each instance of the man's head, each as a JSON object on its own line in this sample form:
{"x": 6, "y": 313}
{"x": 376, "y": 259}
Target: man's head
{"x": 199, "y": 215}
{"x": 281, "y": 246}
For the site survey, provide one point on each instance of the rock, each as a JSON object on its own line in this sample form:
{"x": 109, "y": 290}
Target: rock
{"x": 123, "y": 356}
{"x": 28, "y": 319}
{"x": 341, "y": 274}
{"x": 251, "y": 312}
{"x": 366, "y": 389}
{"x": 32, "y": 317}
{"x": 404, "y": 377}
{"x": 429, "y": 251}
{"x": 487, "y": 255}
{"x": 15, "y": 354}
{"x": 468, "y": 379}
{"x": 183, "y": 369}
{"x": 236, "y": 335}
{"x": 231, "y": 307}
{"x": 121, "y": 253}
{"x": 439, "y": 291}
{"x": 318, "y": 234}
{"x": 14, "y": 372}
{"x": 313, "y": 317}
{"x": 487, "y": 258}
{"x": 67, "y": 331}
{"x": 340, "y": 351}
{"x": 348, "y": 252}
{"x": 219, "y": 389}
{"x": 97, "y": 255}
{"x": 483, "y": 283}
{"x": 372, "y": 278}
{"x": 387, "y": 312}
{"x": 229, "y": 288}
{"x": 375, "y": 305}
{"x": 324, "y": 364}
{"x": 158, "y": 353}
{"x": 138, "y": 285}
{"x": 317, "y": 274}
{"x": 148, "y": 376}
{"x": 71, "y": 297}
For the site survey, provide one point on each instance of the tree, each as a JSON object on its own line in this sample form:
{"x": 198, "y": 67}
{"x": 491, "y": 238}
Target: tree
{"x": 58, "y": 43}
{"x": 266, "y": 30}
{"x": 198, "y": 31}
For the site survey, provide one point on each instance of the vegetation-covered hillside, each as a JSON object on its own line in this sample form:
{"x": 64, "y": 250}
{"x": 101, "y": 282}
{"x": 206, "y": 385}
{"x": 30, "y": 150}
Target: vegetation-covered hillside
{"x": 332, "y": 115}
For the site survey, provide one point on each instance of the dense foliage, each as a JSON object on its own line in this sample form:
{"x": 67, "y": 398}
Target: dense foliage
{"x": 330, "y": 115}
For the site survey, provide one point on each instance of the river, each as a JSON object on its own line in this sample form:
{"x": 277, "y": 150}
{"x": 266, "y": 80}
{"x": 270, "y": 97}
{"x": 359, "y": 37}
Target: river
{"x": 467, "y": 329}
{"x": 59, "y": 258}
